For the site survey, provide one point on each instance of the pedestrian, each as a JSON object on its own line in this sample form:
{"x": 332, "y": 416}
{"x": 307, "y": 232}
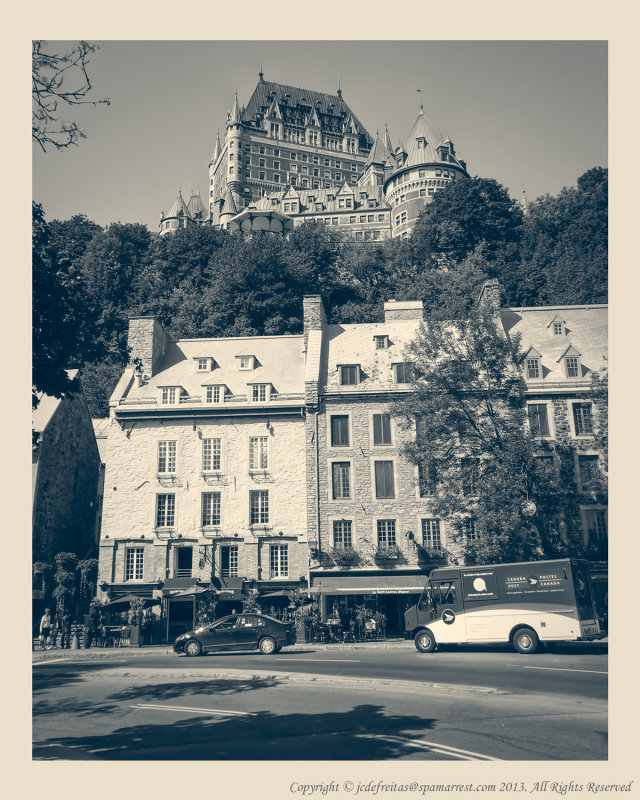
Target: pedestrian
{"x": 45, "y": 628}
{"x": 63, "y": 625}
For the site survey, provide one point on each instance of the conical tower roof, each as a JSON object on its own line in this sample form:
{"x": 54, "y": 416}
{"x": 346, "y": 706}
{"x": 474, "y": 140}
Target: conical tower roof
{"x": 179, "y": 207}
{"x": 235, "y": 117}
{"x": 378, "y": 153}
{"x": 421, "y": 142}
{"x": 216, "y": 149}
{"x": 228, "y": 203}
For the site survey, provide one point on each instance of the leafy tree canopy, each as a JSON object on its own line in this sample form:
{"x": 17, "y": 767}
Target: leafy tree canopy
{"x": 475, "y": 455}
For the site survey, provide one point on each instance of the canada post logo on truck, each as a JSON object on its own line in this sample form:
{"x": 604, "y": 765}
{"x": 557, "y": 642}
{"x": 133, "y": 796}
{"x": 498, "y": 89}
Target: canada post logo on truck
{"x": 522, "y": 603}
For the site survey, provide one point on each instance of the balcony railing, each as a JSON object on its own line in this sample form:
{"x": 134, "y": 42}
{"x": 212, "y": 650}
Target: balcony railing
{"x": 183, "y": 573}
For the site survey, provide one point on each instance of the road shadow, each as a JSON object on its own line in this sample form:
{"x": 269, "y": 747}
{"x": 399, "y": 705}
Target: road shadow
{"x": 161, "y": 691}
{"x": 169, "y": 691}
{"x": 43, "y": 679}
{"x": 363, "y": 732}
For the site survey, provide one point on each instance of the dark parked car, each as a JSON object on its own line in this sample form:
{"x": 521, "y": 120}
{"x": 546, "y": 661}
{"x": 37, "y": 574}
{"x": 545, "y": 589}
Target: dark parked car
{"x": 238, "y": 632}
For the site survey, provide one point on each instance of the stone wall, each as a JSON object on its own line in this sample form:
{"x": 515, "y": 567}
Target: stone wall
{"x": 66, "y": 501}
{"x": 132, "y": 484}
{"x": 407, "y": 508}
{"x": 147, "y": 340}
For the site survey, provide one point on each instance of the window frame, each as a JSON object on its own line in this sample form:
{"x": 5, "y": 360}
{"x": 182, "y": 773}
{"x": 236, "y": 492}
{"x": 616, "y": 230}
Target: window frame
{"x": 572, "y": 418}
{"x": 211, "y": 470}
{"x": 549, "y": 417}
{"x": 262, "y": 454}
{"x": 376, "y": 532}
{"x": 372, "y": 429}
{"x": 221, "y": 387}
{"x": 264, "y": 495}
{"x": 422, "y": 528}
{"x": 341, "y": 374}
{"x": 374, "y": 485}
{"x": 333, "y": 521}
{"x": 259, "y": 389}
{"x": 406, "y": 366}
{"x": 281, "y": 549}
{"x": 335, "y": 463}
{"x": 204, "y": 524}
{"x": 138, "y": 563}
{"x": 229, "y": 572}
{"x": 165, "y": 391}
{"x": 167, "y": 457}
{"x": 156, "y": 516}
{"x": 330, "y": 438}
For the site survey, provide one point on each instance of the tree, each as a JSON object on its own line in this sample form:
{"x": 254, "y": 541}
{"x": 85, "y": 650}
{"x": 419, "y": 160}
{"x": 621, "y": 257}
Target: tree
{"x": 463, "y": 215}
{"x": 59, "y": 79}
{"x": 52, "y": 315}
{"x": 472, "y": 445}
{"x": 564, "y": 247}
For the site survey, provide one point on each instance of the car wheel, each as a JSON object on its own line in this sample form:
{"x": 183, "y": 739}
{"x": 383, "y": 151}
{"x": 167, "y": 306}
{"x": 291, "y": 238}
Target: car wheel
{"x": 425, "y": 641}
{"x": 193, "y": 648}
{"x": 268, "y": 646}
{"x": 525, "y": 640}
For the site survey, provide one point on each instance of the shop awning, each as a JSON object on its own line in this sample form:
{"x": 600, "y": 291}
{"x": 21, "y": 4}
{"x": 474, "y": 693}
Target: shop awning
{"x": 367, "y": 584}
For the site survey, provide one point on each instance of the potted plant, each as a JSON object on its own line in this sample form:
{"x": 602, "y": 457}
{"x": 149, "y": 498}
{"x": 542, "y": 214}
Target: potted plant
{"x": 91, "y": 624}
{"x": 134, "y": 618}
{"x": 345, "y": 556}
{"x": 390, "y": 553}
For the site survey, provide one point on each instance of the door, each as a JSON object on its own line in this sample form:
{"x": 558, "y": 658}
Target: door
{"x": 247, "y": 631}
{"x": 449, "y": 625}
{"x": 220, "y": 635}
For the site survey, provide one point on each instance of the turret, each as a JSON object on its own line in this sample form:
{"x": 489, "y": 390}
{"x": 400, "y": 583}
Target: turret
{"x": 234, "y": 139}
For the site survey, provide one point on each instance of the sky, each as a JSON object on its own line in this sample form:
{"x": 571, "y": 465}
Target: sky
{"x": 527, "y": 113}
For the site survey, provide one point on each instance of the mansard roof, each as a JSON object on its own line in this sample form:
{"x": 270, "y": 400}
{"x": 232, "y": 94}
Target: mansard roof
{"x": 296, "y": 104}
{"x": 378, "y": 154}
{"x": 586, "y": 336}
{"x": 279, "y": 360}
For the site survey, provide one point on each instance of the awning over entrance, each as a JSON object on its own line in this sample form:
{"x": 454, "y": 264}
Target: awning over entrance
{"x": 367, "y": 584}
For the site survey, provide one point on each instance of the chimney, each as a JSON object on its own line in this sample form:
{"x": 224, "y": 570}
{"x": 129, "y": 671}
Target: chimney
{"x": 313, "y": 315}
{"x": 403, "y": 309}
{"x": 147, "y": 341}
{"x": 490, "y": 296}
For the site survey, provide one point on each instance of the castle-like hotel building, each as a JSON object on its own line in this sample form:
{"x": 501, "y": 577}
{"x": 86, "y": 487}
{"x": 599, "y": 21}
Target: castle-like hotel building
{"x": 292, "y": 155}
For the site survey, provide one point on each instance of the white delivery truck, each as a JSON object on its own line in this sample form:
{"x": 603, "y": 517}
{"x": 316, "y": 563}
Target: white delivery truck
{"x": 522, "y": 603}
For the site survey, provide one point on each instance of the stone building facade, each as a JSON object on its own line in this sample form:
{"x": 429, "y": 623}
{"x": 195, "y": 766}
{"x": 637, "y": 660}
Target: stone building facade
{"x": 273, "y": 461}
{"x": 202, "y": 484}
{"x": 292, "y": 155}
{"x": 66, "y": 476}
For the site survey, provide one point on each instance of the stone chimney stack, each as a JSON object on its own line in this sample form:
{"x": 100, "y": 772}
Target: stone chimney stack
{"x": 148, "y": 341}
{"x": 403, "y": 309}
{"x": 313, "y": 315}
{"x": 490, "y": 295}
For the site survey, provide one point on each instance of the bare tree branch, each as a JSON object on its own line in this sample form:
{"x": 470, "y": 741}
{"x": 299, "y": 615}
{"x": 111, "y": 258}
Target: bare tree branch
{"x": 59, "y": 79}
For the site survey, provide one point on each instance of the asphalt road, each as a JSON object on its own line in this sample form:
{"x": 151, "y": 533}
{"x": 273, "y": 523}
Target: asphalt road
{"x": 328, "y": 704}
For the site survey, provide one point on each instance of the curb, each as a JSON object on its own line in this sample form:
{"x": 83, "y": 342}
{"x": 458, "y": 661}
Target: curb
{"x": 311, "y": 677}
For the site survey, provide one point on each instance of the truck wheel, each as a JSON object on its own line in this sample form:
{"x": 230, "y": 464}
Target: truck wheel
{"x": 525, "y": 640}
{"x": 425, "y": 641}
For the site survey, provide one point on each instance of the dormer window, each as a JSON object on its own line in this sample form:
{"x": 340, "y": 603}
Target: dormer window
{"x": 203, "y": 364}
{"x": 403, "y": 372}
{"x": 556, "y": 326}
{"x": 532, "y": 364}
{"x": 245, "y": 362}
{"x": 169, "y": 395}
{"x": 572, "y": 365}
{"x": 214, "y": 394}
{"x": 349, "y": 374}
{"x": 260, "y": 393}
{"x": 533, "y": 368}
{"x": 381, "y": 341}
